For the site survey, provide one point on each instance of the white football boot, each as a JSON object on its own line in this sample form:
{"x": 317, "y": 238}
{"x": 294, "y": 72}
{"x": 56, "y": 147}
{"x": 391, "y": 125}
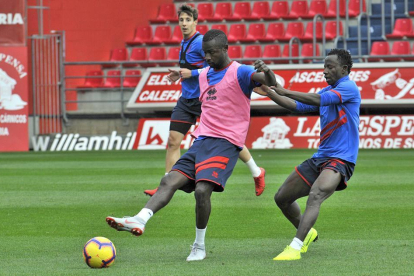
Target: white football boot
{"x": 130, "y": 224}
{"x": 198, "y": 253}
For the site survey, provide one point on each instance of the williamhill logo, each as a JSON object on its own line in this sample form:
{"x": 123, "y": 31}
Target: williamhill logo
{"x": 73, "y": 142}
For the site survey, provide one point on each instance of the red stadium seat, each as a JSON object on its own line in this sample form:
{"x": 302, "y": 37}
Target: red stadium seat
{"x": 275, "y": 31}
{"x": 93, "y": 79}
{"x": 202, "y": 29}
{"x": 235, "y": 52}
{"x": 403, "y": 28}
{"x": 173, "y": 55}
{"x": 400, "y": 48}
{"x": 256, "y": 31}
{"x": 223, "y": 11}
{"x": 307, "y": 51}
{"x": 293, "y": 29}
{"x": 166, "y": 12}
{"x": 237, "y": 32}
{"x": 379, "y": 48}
{"x": 113, "y": 79}
{"x": 299, "y": 9}
{"x": 176, "y": 37}
{"x": 138, "y": 54}
{"x": 142, "y": 35}
{"x": 157, "y": 54}
{"x": 260, "y": 10}
{"x": 241, "y": 10}
{"x": 279, "y": 10}
{"x": 117, "y": 55}
{"x": 294, "y": 53}
{"x": 353, "y": 8}
{"x": 252, "y": 51}
{"x": 316, "y": 7}
{"x": 162, "y": 34}
{"x": 132, "y": 78}
{"x": 271, "y": 51}
{"x": 222, "y": 27}
{"x": 205, "y": 12}
{"x": 330, "y": 31}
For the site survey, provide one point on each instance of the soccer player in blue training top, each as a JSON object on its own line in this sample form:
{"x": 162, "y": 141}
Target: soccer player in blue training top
{"x": 332, "y": 165}
{"x": 188, "y": 107}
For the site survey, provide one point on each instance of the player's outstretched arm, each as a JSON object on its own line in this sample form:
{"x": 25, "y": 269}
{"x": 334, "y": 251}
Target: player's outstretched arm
{"x": 280, "y": 100}
{"x": 267, "y": 77}
{"x": 306, "y": 98}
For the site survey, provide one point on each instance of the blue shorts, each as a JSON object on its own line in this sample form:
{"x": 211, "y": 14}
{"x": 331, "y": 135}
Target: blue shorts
{"x": 310, "y": 170}
{"x": 209, "y": 159}
{"x": 186, "y": 111}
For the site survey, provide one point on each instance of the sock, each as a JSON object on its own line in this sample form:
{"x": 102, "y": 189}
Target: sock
{"x": 296, "y": 244}
{"x": 254, "y": 169}
{"x": 200, "y": 235}
{"x": 145, "y": 214}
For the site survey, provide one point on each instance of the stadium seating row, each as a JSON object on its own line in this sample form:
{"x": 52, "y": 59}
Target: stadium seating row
{"x": 262, "y": 11}
{"x": 382, "y": 48}
{"x": 256, "y": 32}
{"x": 95, "y": 79}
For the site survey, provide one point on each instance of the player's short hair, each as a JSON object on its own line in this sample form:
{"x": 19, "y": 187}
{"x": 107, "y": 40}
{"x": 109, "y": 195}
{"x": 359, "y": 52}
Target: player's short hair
{"x": 193, "y": 12}
{"x": 217, "y": 35}
{"x": 344, "y": 57}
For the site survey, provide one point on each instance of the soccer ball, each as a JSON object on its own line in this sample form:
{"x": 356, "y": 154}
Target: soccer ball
{"x": 99, "y": 252}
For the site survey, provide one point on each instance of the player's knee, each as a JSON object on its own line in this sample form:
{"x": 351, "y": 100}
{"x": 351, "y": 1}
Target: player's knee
{"x": 280, "y": 199}
{"x": 202, "y": 194}
{"x": 315, "y": 198}
{"x": 173, "y": 142}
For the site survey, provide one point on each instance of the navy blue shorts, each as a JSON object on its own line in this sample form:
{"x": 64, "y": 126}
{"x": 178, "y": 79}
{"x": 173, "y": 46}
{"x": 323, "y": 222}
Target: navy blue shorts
{"x": 209, "y": 159}
{"x": 310, "y": 170}
{"x": 185, "y": 114}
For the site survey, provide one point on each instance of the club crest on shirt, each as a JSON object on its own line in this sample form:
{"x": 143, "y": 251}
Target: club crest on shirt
{"x": 211, "y": 94}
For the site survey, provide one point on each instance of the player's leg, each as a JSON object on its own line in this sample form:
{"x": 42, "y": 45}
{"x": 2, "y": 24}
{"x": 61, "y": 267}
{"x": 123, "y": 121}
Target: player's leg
{"x": 202, "y": 195}
{"x": 136, "y": 224}
{"x": 173, "y": 146}
{"x": 257, "y": 172}
{"x": 324, "y": 186}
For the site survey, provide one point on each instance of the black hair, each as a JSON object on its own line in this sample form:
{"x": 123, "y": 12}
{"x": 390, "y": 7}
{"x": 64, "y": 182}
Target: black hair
{"x": 344, "y": 57}
{"x": 193, "y": 12}
{"x": 217, "y": 35}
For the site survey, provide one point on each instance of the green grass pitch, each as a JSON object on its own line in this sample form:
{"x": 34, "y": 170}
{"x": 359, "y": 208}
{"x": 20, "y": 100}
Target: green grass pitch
{"x": 52, "y": 203}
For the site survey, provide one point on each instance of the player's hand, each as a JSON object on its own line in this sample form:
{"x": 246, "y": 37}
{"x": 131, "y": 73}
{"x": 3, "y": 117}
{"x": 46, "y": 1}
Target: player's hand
{"x": 185, "y": 73}
{"x": 260, "y": 66}
{"x": 173, "y": 76}
{"x": 262, "y": 90}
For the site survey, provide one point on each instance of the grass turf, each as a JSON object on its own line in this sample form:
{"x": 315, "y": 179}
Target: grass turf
{"x": 52, "y": 203}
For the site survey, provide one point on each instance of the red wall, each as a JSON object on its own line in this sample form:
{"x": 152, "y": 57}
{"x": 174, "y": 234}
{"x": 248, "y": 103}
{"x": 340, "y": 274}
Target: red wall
{"x": 92, "y": 27}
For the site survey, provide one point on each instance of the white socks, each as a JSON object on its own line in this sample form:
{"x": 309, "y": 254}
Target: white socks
{"x": 145, "y": 214}
{"x": 200, "y": 235}
{"x": 296, "y": 244}
{"x": 254, "y": 169}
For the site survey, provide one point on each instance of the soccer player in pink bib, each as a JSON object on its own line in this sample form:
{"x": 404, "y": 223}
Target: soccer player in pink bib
{"x": 225, "y": 89}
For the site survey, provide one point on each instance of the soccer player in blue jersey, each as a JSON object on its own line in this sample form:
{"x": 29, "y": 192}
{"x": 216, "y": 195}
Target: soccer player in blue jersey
{"x": 188, "y": 108}
{"x": 332, "y": 165}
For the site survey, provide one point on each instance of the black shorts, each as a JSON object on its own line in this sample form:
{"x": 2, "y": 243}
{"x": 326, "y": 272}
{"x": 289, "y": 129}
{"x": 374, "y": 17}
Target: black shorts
{"x": 185, "y": 114}
{"x": 310, "y": 170}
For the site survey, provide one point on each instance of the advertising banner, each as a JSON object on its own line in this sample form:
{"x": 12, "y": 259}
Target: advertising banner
{"x": 380, "y": 84}
{"x": 293, "y": 132}
{"x": 14, "y": 94}
{"x": 12, "y": 23}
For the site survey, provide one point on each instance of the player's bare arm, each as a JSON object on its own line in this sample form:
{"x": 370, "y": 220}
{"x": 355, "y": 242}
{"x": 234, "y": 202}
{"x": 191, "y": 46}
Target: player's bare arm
{"x": 285, "y": 102}
{"x": 173, "y": 76}
{"x": 306, "y": 98}
{"x": 264, "y": 75}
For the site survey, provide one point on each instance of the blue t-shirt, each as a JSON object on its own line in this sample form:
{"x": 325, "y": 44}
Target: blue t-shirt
{"x": 194, "y": 56}
{"x": 244, "y": 76}
{"x": 339, "y": 120}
